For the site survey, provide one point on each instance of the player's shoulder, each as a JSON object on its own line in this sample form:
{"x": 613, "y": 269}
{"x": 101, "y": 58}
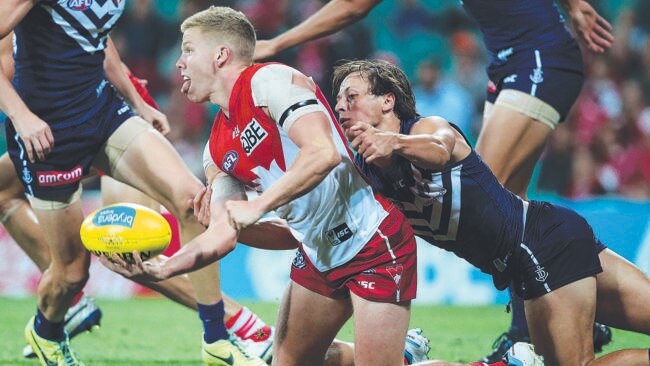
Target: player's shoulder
{"x": 273, "y": 72}
{"x": 428, "y": 124}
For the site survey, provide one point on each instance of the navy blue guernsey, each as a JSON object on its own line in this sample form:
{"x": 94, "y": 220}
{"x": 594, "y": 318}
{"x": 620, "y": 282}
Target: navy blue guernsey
{"x": 59, "y": 53}
{"x": 511, "y": 27}
{"x": 462, "y": 208}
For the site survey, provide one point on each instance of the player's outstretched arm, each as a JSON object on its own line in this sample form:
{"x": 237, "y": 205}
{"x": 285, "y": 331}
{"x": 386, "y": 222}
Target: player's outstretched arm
{"x": 332, "y": 17}
{"x": 590, "y": 28}
{"x": 213, "y": 244}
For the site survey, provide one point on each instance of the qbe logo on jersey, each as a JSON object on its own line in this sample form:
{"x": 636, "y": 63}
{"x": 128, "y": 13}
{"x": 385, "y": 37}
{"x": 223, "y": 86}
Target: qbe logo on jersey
{"x": 252, "y": 136}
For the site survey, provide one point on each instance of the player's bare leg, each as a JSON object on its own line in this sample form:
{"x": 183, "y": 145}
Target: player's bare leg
{"x": 560, "y": 325}
{"x": 379, "y": 331}
{"x": 306, "y": 326}
{"x": 18, "y": 218}
{"x": 511, "y": 156}
{"x": 623, "y": 294}
{"x": 150, "y": 164}
{"x": 68, "y": 270}
{"x": 114, "y": 191}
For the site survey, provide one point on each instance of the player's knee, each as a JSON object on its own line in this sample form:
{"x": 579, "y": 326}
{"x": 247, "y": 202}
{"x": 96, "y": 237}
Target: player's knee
{"x": 75, "y": 280}
{"x": 8, "y": 206}
{"x": 181, "y": 204}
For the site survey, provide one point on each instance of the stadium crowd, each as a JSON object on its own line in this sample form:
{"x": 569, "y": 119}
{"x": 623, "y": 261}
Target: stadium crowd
{"x": 602, "y": 149}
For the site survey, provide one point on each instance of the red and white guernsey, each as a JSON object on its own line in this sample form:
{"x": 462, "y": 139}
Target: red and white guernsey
{"x": 339, "y": 216}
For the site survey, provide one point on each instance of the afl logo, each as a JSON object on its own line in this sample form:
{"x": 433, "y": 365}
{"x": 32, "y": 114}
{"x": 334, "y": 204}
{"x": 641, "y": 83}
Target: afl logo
{"x": 79, "y": 4}
{"x": 229, "y": 161}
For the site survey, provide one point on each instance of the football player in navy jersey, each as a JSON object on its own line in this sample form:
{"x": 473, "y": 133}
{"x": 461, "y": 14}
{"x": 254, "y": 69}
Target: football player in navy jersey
{"x": 64, "y": 117}
{"x": 535, "y": 72}
{"x": 452, "y": 199}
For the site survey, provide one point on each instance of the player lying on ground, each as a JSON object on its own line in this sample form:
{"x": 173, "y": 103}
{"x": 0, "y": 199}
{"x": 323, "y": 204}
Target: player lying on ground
{"x": 426, "y": 166}
{"x": 535, "y": 72}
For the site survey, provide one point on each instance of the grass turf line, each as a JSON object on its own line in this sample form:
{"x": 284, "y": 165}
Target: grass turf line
{"x": 156, "y": 331}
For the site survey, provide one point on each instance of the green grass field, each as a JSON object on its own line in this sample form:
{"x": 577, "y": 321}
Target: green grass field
{"x": 158, "y": 332}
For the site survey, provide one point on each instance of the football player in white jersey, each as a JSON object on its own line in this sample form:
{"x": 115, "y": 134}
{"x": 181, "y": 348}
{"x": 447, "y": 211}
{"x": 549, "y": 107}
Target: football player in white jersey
{"x": 275, "y": 133}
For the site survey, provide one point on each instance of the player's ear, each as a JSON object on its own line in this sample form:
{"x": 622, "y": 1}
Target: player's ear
{"x": 388, "y": 104}
{"x": 221, "y": 55}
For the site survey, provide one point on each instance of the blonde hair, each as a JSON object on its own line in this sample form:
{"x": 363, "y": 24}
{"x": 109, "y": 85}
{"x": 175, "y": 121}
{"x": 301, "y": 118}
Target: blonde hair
{"x": 225, "y": 24}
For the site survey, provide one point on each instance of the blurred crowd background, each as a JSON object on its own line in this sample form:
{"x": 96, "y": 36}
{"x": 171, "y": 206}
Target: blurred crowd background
{"x": 603, "y": 148}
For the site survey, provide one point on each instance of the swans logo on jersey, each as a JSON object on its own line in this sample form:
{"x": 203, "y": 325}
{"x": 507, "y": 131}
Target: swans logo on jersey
{"x": 252, "y": 136}
{"x": 299, "y": 261}
{"x": 339, "y": 234}
{"x": 56, "y": 178}
{"x": 229, "y": 161}
{"x": 395, "y": 271}
{"x": 79, "y": 4}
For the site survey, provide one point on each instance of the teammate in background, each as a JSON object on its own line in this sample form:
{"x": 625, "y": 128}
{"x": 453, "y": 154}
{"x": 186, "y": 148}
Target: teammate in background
{"x": 536, "y": 74}
{"x": 453, "y": 200}
{"x": 275, "y": 133}
{"x": 65, "y": 117}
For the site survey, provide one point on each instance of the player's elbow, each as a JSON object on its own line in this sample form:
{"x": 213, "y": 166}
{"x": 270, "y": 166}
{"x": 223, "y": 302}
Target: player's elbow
{"x": 221, "y": 241}
{"x": 328, "y": 159}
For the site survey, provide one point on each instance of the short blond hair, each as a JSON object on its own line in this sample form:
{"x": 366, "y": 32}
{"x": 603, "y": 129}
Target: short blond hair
{"x": 226, "y": 24}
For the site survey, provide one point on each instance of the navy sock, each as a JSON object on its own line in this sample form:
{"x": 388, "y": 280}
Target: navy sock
{"x": 214, "y": 327}
{"x": 47, "y": 329}
{"x": 518, "y": 324}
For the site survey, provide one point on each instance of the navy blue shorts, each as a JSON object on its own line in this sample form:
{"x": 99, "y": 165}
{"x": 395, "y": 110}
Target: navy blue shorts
{"x": 555, "y": 78}
{"x": 559, "y": 248}
{"x": 74, "y": 150}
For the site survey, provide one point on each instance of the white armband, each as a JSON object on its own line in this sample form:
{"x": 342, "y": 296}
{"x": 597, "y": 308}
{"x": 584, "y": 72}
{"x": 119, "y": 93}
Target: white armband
{"x": 207, "y": 157}
{"x": 273, "y": 87}
{"x": 227, "y": 188}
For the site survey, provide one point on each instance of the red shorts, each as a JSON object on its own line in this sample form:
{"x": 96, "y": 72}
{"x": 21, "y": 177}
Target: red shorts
{"x": 385, "y": 270}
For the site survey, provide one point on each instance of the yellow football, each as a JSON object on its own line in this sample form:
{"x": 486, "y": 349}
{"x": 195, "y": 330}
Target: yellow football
{"x": 124, "y": 227}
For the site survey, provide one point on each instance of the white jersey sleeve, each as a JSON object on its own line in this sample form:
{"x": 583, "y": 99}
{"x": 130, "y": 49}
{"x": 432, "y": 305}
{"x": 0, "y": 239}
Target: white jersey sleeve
{"x": 272, "y": 87}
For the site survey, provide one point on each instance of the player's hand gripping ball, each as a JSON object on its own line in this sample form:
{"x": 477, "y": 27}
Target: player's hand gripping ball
{"x": 124, "y": 227}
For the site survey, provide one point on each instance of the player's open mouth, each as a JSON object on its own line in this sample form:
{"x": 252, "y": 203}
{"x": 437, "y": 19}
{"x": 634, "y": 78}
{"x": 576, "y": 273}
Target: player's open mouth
{"x": 342, "y": 120}
{"x": 186, "y": 84}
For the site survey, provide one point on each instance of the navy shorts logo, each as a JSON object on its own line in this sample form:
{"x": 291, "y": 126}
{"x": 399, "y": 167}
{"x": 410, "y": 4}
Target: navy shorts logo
{"x": 27, "y": 176}
{"x": 339, "y": 234}
{"x": 299, "y": 260}
{"x": 79, "y": 4}
{"x": 542, "y": 275}
{"x": 229, "y": 161}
